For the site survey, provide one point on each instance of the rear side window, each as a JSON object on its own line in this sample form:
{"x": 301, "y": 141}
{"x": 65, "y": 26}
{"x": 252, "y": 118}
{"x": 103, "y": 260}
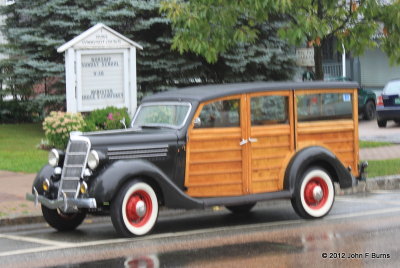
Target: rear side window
{"x": 269, "y": 110}
{"x": 224, "y": 113}
{"x": 324, "y": 106}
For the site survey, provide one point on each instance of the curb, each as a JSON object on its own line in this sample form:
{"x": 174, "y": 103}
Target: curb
{"x": 379, "y": 183}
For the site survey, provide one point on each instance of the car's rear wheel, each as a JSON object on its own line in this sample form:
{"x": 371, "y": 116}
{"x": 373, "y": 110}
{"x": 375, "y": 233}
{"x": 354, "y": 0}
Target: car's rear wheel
{"x": 63, "y": 221}
{"x": 314, "y": 194}
{"x": 370, "y": 111}
{"x": 241, "y": 209}
{"x": 134, "y": 210}
{"x": 382, "y": 123}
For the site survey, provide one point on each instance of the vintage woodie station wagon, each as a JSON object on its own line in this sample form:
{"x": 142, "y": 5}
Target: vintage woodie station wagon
{"x": 227, "y": 145}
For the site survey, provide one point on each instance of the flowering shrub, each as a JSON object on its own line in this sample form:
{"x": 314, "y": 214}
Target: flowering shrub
{"x": 58, "y": 125}
{"x": 107, "y": 118}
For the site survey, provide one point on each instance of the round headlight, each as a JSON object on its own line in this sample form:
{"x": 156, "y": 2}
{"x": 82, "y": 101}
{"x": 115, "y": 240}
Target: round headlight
{"x": 54, "y": 157}
{"x": 93, "y": 160}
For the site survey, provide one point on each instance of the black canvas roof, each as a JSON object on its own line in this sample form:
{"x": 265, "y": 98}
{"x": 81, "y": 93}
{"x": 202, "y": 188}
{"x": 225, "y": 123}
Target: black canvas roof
{"x": 208, "y": 92}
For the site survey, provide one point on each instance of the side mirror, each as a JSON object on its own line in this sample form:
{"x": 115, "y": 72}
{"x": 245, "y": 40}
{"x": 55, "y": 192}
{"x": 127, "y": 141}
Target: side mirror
{"x": 197, "y": 122}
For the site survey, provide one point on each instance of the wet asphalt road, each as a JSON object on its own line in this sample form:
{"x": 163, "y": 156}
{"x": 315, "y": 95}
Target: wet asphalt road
{"x": 361, "y": 230}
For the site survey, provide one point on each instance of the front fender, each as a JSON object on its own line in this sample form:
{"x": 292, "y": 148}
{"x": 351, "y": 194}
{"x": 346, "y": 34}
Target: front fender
{"x": 107, "y": 184}
{"x": 318, "y": 156}
{"x": 45, "y": 173}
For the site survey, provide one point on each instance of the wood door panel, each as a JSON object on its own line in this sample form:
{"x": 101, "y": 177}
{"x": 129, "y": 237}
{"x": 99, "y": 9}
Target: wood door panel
{"x": 274, "y": 143}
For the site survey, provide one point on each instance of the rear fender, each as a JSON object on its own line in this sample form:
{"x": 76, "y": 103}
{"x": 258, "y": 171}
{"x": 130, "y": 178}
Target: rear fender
{"x": 316, "y": 156}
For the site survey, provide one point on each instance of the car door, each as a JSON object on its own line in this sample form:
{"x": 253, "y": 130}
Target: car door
{"x": 270, "y": 139}
{"x": 215, "y": 155}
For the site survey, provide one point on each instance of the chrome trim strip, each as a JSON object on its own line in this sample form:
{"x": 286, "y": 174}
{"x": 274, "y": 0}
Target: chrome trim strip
{"x": 137, "y": 152}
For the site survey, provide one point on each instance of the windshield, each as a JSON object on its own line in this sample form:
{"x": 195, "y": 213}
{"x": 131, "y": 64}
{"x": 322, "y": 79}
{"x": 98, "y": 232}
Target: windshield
{"x": 392, "y": 88}
{"x": 170, "y": 115}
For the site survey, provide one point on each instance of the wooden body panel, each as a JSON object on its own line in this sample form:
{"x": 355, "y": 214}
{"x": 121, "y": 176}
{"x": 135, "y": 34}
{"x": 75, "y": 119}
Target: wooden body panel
{"x": 338, "y": 136}
{"x": 273, "y": 145}
{"x": 217, "y": 165}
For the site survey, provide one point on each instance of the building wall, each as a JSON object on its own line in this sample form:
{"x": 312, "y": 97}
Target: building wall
{"x": 375, "y": 69}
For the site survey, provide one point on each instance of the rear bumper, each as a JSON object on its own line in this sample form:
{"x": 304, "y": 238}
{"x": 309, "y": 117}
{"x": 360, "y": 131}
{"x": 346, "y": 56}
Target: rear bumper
{"x": 388, "y": 113}
{"x": 65, "y": 204}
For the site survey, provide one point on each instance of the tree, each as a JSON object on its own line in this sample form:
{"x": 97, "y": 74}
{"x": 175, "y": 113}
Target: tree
{"x": 210, "y": 27}
{"x": 35, "y": 29}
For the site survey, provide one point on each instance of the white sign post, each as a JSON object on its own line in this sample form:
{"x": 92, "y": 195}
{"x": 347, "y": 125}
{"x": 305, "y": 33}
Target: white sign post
{"x": 100, "y": 68}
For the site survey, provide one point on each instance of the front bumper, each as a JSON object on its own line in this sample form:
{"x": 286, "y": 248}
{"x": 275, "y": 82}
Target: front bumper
{"x": 65, "y": 204}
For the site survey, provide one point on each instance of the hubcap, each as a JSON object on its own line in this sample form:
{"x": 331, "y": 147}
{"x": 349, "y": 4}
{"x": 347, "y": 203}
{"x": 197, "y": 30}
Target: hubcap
{"x": 316, "y": 193}
{"x": 139, "y": 208}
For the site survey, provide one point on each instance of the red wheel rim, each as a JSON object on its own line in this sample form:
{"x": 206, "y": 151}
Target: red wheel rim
{"x": 316, "y": 185}
{"x": 134, "y": 218}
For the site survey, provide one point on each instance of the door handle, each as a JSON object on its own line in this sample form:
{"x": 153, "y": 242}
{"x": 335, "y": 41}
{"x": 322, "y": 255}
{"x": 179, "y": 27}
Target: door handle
{"x": 243, "y": 142}
{"x": 252, "y": 140}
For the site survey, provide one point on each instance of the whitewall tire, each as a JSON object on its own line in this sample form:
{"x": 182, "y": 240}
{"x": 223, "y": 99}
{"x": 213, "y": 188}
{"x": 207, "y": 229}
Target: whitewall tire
{"x": 134, "y": 210}
{"x": 314, "y": 194}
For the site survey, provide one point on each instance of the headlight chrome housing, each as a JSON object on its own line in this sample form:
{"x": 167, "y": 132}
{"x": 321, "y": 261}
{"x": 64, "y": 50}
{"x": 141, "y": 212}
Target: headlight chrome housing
{"x": 54, "y": 158}
{"x": 93, "y": 160}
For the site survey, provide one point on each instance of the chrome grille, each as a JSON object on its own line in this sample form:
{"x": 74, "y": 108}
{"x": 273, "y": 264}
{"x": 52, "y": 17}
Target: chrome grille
{"x": 74, "y": 165}
{"x": 137, "y": 152}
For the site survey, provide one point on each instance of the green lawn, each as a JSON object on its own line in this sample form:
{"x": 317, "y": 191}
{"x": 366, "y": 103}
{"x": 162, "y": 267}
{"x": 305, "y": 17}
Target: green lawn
{"x": 383, "y": 167}
{"x": 18, "y": 150}
{"x": 373, "y": 144}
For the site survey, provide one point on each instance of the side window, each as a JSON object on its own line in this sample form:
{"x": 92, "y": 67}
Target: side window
{"x": 224, "y": 113}
{"x": 268, "y": 110}
{"x": 328, "y": 106}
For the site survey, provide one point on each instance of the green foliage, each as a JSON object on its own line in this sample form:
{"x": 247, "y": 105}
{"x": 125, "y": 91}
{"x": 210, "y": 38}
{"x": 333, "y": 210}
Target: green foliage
{"x": 211, "y": 27}
{"x": 18, "y": 150}
{"x": 106, "y": 119}
{"x": 35, "y": 29}
{"x": 59, "y": 125}
{"x": 20, "y": 111}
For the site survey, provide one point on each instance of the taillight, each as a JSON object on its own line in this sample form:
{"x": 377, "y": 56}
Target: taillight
{"x": 379, "y": 101}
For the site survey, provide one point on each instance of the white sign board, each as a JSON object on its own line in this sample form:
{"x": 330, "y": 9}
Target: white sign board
{"x": 100, "y": 70}
{"x": 102, "y": 79}
{"x": 305, "y": 57}
{"x": 103, "y": 38}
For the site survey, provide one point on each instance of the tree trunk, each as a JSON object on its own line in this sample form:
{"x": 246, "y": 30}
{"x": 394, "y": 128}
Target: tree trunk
{"x": 319, "y": 73}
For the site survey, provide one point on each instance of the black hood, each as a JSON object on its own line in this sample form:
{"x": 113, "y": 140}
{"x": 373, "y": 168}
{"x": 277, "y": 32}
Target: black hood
{"x": 131, "y": 137}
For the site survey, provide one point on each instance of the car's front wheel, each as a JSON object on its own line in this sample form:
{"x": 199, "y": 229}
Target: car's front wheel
{"x": 314, "y": 194}
{"x": 63, "y": 221}
{"x": 134, "y": 210}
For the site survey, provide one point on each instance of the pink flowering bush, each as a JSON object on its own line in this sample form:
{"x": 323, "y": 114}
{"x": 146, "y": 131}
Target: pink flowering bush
{"x": 106, "y": 119}
{"x": 58, "y": 125}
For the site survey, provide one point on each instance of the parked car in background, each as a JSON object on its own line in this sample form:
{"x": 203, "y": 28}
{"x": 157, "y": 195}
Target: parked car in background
{"x": 229, "y": 145}
{"x": 388, "y": 104}
{"x": 366, "y": 99}
{"x": 366, "y": 103}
